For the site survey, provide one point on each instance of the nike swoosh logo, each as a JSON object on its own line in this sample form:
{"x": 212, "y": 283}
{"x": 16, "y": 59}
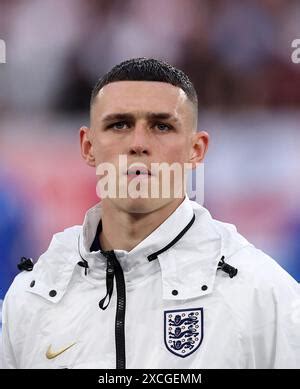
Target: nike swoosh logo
{"x": 53, "y": 354}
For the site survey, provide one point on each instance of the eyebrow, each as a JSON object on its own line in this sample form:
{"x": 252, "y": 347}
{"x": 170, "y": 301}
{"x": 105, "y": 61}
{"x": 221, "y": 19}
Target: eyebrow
{"x": 131, "y": 117}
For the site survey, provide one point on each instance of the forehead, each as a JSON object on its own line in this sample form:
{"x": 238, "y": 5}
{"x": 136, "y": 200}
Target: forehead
{"x": 139, "y": 96}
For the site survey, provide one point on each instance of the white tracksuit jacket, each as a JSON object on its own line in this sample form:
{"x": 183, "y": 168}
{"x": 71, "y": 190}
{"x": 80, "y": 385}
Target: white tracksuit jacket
{"x": 171, "y": 307}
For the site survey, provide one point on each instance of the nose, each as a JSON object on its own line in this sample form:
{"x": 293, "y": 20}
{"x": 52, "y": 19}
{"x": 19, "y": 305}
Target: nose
{"x": 139, "y": 143}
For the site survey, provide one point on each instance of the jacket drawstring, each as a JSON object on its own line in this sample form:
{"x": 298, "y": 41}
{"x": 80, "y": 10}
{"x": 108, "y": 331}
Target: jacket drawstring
{"x": 84, "y": 262}
{"x": 25, "y": 264}
{"x": 110, "y": 273}
{"x": 222, "y": 265}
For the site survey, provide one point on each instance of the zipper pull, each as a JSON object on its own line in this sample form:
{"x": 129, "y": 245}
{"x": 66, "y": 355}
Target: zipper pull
{"x": 110, "y": 273}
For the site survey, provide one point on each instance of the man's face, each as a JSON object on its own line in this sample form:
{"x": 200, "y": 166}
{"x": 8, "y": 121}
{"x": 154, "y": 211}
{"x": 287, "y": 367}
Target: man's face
{"x": 146, "y": 122}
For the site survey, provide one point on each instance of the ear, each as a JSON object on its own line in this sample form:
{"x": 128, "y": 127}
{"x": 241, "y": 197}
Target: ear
{"x": 199, "y": 148}
{"x": 86, "y": 146}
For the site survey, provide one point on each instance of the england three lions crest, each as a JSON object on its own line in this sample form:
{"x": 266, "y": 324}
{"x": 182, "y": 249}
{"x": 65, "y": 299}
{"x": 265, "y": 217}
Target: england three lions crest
{"x": 183, "y": 331}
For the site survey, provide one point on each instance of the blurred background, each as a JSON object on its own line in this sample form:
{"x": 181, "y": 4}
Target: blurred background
{"x": 237, "y": 53}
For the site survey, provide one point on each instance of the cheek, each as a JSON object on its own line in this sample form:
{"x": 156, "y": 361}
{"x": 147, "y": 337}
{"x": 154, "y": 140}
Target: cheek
{"x": 177, "y": 153}
{"x": 105, "y": 152}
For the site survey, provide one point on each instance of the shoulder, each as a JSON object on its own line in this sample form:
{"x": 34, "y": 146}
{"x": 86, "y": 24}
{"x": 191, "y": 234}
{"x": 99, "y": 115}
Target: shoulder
{"x": 260, "y": 279}
{"x": 260, "y": 271}
{"x": 256, "y": 269}
{"x": 254, "y": 265}
{"x": 62, "y": 246}
{"x": 262, "y": 294}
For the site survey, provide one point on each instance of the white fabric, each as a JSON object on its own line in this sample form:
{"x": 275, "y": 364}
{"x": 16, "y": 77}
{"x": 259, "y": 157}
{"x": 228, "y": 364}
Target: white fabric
{"x": 248, "y": 321}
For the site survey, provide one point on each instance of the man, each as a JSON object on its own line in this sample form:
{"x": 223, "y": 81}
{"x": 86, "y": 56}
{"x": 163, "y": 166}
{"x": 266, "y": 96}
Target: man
{"x": 149, "y": 281}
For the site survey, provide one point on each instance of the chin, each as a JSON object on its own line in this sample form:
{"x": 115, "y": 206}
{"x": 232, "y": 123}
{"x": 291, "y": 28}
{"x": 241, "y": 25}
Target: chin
{"x": 141, "y": 205}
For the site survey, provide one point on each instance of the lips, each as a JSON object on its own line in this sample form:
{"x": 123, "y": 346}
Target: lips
{"x": 138, "y": 170}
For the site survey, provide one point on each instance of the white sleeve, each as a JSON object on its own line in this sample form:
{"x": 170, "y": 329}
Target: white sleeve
{"x": 276, "y": 333}
{"x": 1, "y": 354}
{"x": 7, "y": 358}
{"x": 287, "y": 353}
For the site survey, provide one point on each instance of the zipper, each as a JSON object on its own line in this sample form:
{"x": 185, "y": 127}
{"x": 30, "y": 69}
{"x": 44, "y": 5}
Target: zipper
{"x": 114, "y": 269}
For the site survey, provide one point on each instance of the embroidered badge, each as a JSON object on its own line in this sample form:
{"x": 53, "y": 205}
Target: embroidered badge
{"x": 183, "y": 331}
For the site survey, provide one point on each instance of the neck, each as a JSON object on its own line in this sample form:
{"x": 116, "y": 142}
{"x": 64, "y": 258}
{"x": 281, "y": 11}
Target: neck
{"x": 123, "y": 230}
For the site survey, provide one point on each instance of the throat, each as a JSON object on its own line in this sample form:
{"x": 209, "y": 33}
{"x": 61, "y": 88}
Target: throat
{"x": 124, "y": 231}
{"x": 122, "y": 240}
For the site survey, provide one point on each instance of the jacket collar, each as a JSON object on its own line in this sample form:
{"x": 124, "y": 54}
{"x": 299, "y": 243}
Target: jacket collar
{"x": 154, "y": 242}
{"x": 188, "y": 267}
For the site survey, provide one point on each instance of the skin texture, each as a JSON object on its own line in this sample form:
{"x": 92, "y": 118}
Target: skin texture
{"x": 143, "y": 138}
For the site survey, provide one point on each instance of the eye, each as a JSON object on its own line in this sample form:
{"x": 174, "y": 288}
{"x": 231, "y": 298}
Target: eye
{"x": 118, "y": 126}
{"x": 162, "y": 127}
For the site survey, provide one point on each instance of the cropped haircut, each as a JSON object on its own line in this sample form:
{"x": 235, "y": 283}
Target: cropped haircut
{"x": 143, "y": 69}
